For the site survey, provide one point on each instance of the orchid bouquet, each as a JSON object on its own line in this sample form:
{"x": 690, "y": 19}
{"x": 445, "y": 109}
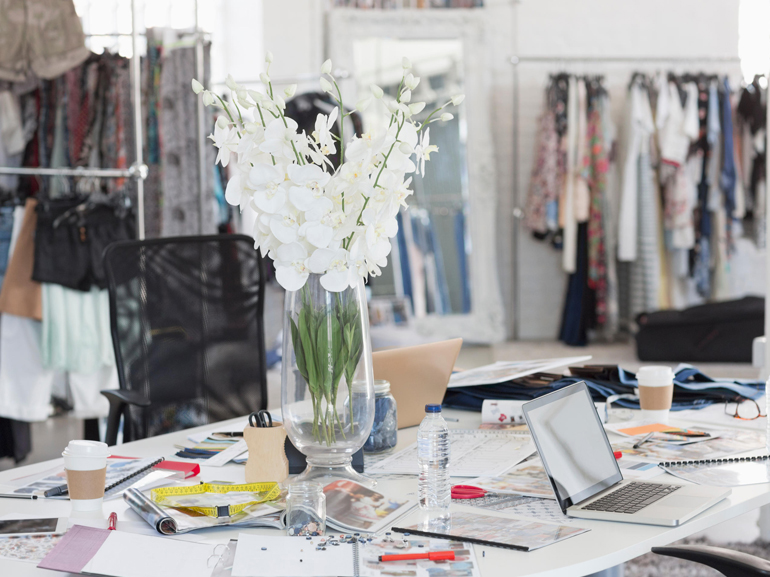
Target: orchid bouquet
{"x": 312, "y": 218}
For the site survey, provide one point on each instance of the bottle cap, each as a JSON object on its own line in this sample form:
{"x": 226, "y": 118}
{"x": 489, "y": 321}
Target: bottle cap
{"x": 432, "y": 408}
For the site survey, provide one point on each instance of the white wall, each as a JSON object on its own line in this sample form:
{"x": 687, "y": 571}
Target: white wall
{"x": 616, "y": 28}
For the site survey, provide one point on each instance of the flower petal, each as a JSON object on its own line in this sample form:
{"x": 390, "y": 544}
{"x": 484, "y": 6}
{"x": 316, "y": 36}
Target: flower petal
{"x": 336, "y": 281}
{"x": 290, "y": 252}
{"x": 289, "y": 278}
{"x": 270, "y": 203}
{"x": 319, "y": 235}
{"x": 320, "y": 260}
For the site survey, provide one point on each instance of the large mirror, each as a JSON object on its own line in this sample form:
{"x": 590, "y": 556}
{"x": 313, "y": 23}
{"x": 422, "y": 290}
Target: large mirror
{"x": 443, "y": 260}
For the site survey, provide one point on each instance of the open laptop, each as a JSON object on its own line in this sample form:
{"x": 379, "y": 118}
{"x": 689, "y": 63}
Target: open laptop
{"x": 418, "y": 376}
{"x": 585, "y": 476}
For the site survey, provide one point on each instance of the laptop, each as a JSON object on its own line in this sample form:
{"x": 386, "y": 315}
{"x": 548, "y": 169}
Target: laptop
{"x": 585, "y": 476}
{"x": 418, "y": 376}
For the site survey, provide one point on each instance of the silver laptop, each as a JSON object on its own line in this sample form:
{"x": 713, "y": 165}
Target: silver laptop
{"x": 585, "y": 476}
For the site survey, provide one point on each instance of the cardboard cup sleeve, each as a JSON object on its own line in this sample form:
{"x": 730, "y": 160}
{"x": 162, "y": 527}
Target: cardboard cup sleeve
{"x": 86, "y": 484}
{"x": 656, "y": 398}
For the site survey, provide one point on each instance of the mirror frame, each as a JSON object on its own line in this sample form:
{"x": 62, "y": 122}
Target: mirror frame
{"x": 486, "y": 321}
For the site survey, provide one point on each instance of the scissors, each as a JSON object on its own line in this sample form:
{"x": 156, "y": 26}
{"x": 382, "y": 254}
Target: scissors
{"x": 467, "y": 492}
{"x": 263, "y": 419}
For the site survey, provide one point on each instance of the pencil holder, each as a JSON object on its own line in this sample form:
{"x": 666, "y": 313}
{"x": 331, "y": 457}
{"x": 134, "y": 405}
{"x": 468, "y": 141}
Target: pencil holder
{"x": 267, "y": 455}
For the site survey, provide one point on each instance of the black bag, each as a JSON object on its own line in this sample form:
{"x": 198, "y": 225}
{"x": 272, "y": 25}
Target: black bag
{"x": 712, "y": 333}
{"x": 70, "y": 238}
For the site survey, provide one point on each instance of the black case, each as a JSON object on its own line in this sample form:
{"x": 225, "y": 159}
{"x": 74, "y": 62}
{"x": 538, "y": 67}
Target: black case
{"x": 715, "y": 332}
{"x": 298, "y": 462}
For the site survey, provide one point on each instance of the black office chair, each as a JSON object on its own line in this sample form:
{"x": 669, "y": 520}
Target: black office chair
{"x": 729, "y": 563}
{"x": 186, "y": 316}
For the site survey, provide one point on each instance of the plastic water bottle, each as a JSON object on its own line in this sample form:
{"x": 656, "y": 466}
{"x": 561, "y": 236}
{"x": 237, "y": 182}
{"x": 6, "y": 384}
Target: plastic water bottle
{"x": 433, "y": 457}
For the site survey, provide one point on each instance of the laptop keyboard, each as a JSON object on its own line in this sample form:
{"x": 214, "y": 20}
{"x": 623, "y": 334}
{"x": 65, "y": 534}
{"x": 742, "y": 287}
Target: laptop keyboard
{"x": 631, "y": 498}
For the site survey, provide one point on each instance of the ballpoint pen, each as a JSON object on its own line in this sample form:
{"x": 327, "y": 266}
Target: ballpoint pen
{"x": 434, "y": 556}
{"x": 17, "y": 496}
{"x": 646, "y": 438}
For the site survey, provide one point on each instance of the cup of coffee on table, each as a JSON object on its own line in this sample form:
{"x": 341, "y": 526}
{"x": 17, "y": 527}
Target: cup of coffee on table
{"x": 85, "y": 463}
{"x": 656, "y": 391}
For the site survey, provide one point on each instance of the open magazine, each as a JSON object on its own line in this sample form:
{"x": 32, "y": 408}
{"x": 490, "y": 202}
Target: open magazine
{"x": 173, "y": 521}
{"x": 351, "y": 507}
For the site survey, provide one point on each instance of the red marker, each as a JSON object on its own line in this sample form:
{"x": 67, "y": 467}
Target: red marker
{"x": 435, "y": 556}
{"x": 113, "y": 522}
{"x": 618, "y": 454}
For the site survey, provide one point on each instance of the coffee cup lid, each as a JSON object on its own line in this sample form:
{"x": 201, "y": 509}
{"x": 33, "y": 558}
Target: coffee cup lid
{"x": 655, "y": 373}
{"x": 86, "y": 449}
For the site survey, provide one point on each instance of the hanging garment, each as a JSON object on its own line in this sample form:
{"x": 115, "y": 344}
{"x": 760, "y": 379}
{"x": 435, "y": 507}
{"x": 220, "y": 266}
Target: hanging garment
{"x": 43, "y": 37}
{"x": 609, "y": 220}
{"x": 639, "y": 128}
{"x": 544, "y": 180}
{"x": 681, "y": 124}
{"x": 583, "y": 158}
{"x": 597, "y": 181}
{"x": 183, "y": 211}
{"x": 20, "y": 295}
{"x": 579, "y": 302}
{"x": 567, "y": 203}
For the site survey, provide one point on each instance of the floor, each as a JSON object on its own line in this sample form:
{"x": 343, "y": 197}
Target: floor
{"x": 50, "y": 437}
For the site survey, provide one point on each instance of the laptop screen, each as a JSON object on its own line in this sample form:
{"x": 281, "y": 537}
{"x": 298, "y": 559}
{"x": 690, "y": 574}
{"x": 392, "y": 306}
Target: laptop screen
{"x": 572, "y": 444}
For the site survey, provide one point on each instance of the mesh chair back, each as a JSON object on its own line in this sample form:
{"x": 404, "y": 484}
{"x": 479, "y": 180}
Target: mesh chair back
{"x": 187, "y": 327}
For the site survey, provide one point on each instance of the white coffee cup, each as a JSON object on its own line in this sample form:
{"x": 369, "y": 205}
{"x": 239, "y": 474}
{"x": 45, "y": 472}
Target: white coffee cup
{"x": 85, "y": 463}
{"x": 656, "y": 392}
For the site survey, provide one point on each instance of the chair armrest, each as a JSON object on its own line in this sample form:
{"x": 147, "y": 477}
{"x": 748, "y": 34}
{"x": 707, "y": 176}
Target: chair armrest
{"x": 730, "y": 563}
{"x": 126, "y": 397}
{"x": 119, "y": 400}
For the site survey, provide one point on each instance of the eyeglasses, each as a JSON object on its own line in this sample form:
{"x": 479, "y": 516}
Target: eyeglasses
{"x": 743, "y": 409}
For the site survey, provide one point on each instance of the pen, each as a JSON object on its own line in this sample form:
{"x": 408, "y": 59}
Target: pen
{"x": 646, "y": 438}
{"x": 113, "y": 521}
{"x": 55, "y": 491}
{"x": 17, "y": 496}
{"x": 434, "y": 556}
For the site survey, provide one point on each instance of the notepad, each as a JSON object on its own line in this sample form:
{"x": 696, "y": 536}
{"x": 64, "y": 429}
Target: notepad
{"x": 120, "y": 554}
{"x": 280, "y": 556}
{"x": 733, "y": 472}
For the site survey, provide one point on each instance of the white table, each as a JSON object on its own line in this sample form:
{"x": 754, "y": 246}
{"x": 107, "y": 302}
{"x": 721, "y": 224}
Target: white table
{"x": 607, "y": 544}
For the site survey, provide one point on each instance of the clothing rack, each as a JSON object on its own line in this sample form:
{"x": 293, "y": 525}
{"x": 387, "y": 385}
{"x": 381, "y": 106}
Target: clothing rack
{"x": 338, "y": 73}
{"x": 517, "y": 212}
{"x": 137, "y": 171}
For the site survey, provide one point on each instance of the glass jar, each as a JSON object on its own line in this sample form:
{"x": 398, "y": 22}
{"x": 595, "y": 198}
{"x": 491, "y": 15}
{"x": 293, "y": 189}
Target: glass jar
{"x": 384, "y": 434}
{"x": 305, "y": 509}
{"x": 326, "y": 349}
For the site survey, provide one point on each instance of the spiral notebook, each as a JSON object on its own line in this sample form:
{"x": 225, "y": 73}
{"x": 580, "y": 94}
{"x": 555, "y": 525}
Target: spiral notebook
{"x": 503, "y": 531}
{"x": 731, "y": 472}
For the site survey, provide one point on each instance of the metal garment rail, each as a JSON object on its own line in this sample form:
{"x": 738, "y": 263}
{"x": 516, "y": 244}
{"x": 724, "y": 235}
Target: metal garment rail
{"x": 518, "y": 212}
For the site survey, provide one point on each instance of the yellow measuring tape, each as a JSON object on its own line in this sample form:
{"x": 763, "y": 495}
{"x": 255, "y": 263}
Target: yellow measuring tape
{"x": 262, "y": 492}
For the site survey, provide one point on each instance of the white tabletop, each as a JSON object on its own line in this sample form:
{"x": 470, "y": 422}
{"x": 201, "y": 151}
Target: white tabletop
{"x": 606, "y": 545}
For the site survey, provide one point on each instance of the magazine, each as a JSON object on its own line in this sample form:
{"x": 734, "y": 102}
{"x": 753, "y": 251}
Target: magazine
{"x": 353, "y": 507}
{"x": 504, "y": 371}
{"x": 173, "y": 521}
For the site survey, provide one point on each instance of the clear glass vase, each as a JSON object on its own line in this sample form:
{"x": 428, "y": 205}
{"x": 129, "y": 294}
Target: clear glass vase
{"x": 327, "y": 385}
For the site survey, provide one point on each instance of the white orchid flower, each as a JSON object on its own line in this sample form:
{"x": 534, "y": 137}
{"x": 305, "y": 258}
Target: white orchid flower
{"x": 457, "y": 99}
{"x": 406, "y": 64}
{"x": 235, "y": 194}
{"x": 323, "y": 132}
{"x": 318, "y": 229}
{"x": 291, "y": 266}
{"x": 197, "y": 87}
{"x": 424, "y": 149}
{"x": 290, "y": 90}
{"x": 264, "y": 78}
{"x": 230, "y": 82}
{"x": 376, "y": 91}
{"x": 279, "y": 138}
{"x": 326, "y": 86}
{"x": 255, "y": 95}
{"x": 208, "y": 98}
{"x": 446, "y": 117}
{"x": 379, "y": 231}
{"x": 285, "y": 224}
{"x": 267, "y": 182}
{"x": 364, "y": 103}
{"x": 333, "y": 264}
{"x": 364, "y": 148}
{"x": 269, "y": 57}
{"x": 416, "y": 107}
{"x": 326, "y": 67}
{"x": 411, "y": 81}
{"x": 226, "y": 140}
{"x": 306, "y": 187}
{"x": 406, "y": 96}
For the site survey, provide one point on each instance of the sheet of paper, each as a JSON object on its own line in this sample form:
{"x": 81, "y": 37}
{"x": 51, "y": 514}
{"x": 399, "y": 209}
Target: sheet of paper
{"x": 474, "y": 453}
{"x": 723, "y": 443}
{"x": 503, "y": 371}
{"x": 350, "y": 507}
{"x": 131, "y": 555}
{"x": 281, "y": 556}
{"x": 724, "y": 474}
{"x": 76, "y": 549}
{"x": 224, "y": 457}
{"x": 464, "y": 564}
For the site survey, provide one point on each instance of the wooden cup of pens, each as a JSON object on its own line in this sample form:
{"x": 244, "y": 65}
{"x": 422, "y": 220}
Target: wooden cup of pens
{"x": 267, "y": 455}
